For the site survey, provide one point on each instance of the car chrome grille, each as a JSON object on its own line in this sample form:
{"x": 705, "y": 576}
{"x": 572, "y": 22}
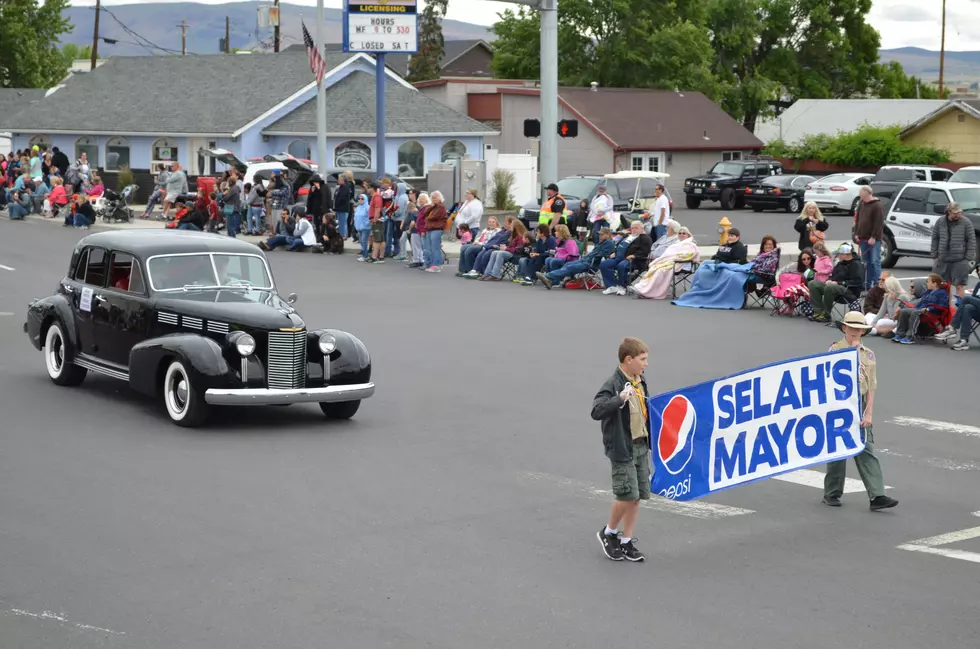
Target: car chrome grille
{"x": 287, "y": 360}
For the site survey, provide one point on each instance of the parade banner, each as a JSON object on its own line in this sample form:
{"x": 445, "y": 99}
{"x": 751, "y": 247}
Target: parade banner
{"x": 755, "y": 424}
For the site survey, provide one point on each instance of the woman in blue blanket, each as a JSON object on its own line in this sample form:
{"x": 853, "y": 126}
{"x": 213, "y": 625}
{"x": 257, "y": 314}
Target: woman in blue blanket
{"x": 721, "y": 283}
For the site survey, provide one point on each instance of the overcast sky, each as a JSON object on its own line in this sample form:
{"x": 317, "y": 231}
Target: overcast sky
{"x": 900, "y": 22}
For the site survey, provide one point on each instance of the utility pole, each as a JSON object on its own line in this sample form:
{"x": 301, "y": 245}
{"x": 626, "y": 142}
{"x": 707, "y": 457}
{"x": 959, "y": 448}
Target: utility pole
{"x": 275, "y": 31}
{"x": 227, "y": 35}
{"x": 95, "y": 35}
{"x": 321, "y": 97}
{"x": 183, "y": 37}
{"x": 942, "y": 52}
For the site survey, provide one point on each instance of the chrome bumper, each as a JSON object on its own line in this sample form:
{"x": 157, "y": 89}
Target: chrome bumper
{"x": 265, "y": 397}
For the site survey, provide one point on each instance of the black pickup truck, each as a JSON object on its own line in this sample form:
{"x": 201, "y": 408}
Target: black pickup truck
{"x": 726, "y": 181}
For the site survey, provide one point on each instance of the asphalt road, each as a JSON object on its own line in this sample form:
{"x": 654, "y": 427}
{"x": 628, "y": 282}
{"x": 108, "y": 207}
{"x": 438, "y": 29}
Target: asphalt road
{"x": 459, "y": 507}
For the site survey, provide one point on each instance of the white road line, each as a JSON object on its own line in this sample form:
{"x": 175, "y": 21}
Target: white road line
{"x": 48, "y": 615}
{"x": 691, "y": 509}
{"x": 963, "y": 555}
{"x": 7, "y": 267}
{"x": 937, "y": 462}
{"x": 811, "y": 478}
{"x": 932, "y": 544}
{"x": 3, "y": 313}
{"x": 939, "y": 426}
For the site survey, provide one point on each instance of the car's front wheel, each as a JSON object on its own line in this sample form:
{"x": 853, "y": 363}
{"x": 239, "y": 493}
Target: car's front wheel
{"x": 693, "y": 202}
{"x": 340, "y": 410}
{"x": 58, "y": 353}
{"x": 185, "y": 404}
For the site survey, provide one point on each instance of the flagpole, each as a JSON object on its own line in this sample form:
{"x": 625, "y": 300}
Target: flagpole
{"x": 321, "y": 96}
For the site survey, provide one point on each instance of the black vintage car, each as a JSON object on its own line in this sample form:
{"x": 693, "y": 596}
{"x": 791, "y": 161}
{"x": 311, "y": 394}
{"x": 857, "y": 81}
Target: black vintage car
{"x": 194, "y": 319}
{"x": 778, "y": 193}
{"x": 726, "y": 181}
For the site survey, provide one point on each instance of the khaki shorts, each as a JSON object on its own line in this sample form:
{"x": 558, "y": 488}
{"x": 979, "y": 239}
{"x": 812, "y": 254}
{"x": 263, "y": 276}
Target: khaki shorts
{"x": 378, "y": 231}
{"x": 631, "y": 480}
{"x": 954, "y": 272}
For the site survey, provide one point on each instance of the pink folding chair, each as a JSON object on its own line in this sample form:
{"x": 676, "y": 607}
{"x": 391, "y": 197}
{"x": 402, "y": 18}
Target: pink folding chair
{"x": 781, "y": 291}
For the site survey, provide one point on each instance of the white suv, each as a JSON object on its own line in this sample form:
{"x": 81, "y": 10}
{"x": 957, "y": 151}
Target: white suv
{"x": 915, "y": 210}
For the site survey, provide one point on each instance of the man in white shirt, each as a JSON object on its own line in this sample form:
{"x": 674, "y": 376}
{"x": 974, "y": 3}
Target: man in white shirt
{"x": 661, "y": 212}
{"x": 601, "y": 205}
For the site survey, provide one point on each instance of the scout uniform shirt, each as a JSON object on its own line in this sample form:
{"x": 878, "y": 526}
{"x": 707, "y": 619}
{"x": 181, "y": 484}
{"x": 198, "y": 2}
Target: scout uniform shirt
{"x": 638, "y": 410}
{"x": 868, "y": 366}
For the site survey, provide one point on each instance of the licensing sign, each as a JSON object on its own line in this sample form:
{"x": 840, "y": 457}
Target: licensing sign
{"x": 381, "y": 26}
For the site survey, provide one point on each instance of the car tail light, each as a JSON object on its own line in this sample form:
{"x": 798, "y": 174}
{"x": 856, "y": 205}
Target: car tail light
{"x": 809, "y": 187}
{"x": 777, "y": 192}
{"x": 838, "y": 188}
{"x": 748, "y": 190}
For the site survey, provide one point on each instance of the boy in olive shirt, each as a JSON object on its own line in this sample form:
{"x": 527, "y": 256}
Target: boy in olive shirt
{"x": 621, "y": 407}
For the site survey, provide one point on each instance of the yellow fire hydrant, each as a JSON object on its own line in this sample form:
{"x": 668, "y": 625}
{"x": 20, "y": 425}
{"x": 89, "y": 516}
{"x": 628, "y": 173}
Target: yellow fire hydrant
{"x": 724, "y": 225}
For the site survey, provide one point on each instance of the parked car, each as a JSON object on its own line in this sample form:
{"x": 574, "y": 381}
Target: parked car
{"x": 622, "y": 190}
{"x": 914, "y": 212}
{"x": 725, "y": 182}
{"x": 892, "y": 178}
{"x": 778, "y": 193}
{"x": 297, "y": 171}
{"x": 837, "y": 192}
{"x": 966, "y": 175}
{"x": 193, "y": 319}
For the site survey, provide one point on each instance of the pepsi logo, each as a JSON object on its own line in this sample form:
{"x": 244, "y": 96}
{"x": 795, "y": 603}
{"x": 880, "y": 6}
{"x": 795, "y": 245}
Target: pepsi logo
{"x": 676, "y": 441}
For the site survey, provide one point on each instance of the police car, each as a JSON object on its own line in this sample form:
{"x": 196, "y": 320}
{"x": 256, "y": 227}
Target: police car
{"x": 915, "y": 210}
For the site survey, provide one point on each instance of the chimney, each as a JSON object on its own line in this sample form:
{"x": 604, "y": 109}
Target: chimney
{"x": 595, "y": 86}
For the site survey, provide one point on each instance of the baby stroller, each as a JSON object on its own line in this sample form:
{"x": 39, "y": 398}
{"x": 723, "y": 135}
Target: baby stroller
{"x": 115, "y": 208}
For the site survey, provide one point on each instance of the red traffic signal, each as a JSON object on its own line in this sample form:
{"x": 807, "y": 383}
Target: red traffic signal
{"x": 568, "y": 128}
{"x": 532, "y": 128}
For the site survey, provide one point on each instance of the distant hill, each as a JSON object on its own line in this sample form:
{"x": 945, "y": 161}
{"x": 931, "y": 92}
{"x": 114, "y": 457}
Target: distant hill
{"x": 160, "y": 24}
{"x": 963, "y": 67}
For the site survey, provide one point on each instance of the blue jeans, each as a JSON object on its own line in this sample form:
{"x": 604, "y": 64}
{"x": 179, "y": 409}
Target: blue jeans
{"x": 661, "y": 231}
{"x": 278, "y": 240}
{"x": 568, "y": 270}
{"x": 364, "y": 236}
{"x": 497, "y": 260}
{"x": 968, "y": 312}
{"x": 528, "y": 267}
{"x": 255, "y": 219}
{"x": 17, "y": 211}
{"x": 615, "y": 272}
{"x": 231, "y": 224}
{"x": 81, "y": 219}
{"x": 393, "y": 239}
{"x": 155, "y": 198}
{"x": 551, "y": 264}
{"x": 598, "y": 225}
{"x": 188, "y": 226}
{"x": 433, "y": 243}
{"x": 467, "y": 257}
{"x": 342, "y": 224}
{"x": 871, "y": 257}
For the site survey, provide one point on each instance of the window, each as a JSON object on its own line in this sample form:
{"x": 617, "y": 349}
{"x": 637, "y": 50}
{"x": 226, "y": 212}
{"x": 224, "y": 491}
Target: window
{"x": 453, "y": 149}
{"x": 124, "y": 273}
{"x": 90, "y": 147}
{"x": 727, "y": 156}
{"x": 941, "y": 175}
{"x": 91, "y": 267}
{"x": 162, "y": 153}
{"x": 352, "y": 154}
{"x": 637, "y": 163}
{"x": 299, "y": 149}
{"x": 180, "y": 272}
{"x": 647, "y": 162}
{"x": 116, "y": 154}
{"x": 913, "y": 199}
{"x": 42, "y": 141}
{"x": 937, "y": 199}
{"x": 411, "y": 160}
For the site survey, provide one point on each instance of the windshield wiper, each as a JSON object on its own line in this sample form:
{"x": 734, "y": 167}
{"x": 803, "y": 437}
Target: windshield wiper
{"x": 197, "y": 287}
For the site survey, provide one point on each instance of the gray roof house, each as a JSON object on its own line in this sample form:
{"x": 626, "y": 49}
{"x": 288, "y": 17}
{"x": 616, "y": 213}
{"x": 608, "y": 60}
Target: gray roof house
{"x": 462, "y": 58}
{"x": 147, "y": 112}
{"x": 828, "y": 116}
{"x": 13, "y": 100}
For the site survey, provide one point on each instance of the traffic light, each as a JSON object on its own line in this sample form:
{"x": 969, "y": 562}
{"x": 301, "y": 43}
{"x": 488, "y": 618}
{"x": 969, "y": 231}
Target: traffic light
{"x": 568, "y": 128}
{"x": 532, "y": 128}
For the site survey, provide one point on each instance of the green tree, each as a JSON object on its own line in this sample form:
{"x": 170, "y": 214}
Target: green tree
{"x": 29, "y": 53}
{"x": 73, "y": 52}
{"x": 426, "y": 64}
{"x": 891, "y": 82}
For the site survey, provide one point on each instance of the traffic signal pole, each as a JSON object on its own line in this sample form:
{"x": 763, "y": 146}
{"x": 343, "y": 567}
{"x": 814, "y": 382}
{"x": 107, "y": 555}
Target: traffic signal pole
{"x": 548, "y": 152}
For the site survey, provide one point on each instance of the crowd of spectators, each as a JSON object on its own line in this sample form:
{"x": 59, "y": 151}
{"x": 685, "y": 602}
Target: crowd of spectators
{"x": 38, "y": 181}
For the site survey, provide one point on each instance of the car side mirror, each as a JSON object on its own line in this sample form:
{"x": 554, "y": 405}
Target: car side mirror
{"x": 292, "y": 298}
{"x": 939, "y": 209}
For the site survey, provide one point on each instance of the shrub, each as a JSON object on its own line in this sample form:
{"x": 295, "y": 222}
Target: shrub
{"x": 502, "y": 194}
{"x": 126, "y": 177}
{"x": 868, "y": 146}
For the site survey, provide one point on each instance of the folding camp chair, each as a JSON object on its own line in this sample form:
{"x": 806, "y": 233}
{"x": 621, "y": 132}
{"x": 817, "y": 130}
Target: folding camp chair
{"x": 761, "y": 296}
{"x": 683, "y": 273}
{"x": 509, "y": 269}
{"x": 783, "y": 290}
{"x": 842, "y": 307}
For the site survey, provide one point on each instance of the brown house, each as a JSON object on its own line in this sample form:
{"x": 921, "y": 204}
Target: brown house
{"x": 682, "y": 133}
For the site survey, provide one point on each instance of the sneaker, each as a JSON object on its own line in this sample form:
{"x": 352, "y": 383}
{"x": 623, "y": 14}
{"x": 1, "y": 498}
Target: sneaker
{"x": 527, "y": 282}
{"x": 896, "y": 338}
{"x": 831, "y": 501}
{"x": 400, "y": 258}
{"x": 612, "y": 290}
{"x": 472, "y": 273}
{"x": 907, "y": 341}
{"x": 961, "y": 346}
{"x": 947, "y": 334}
{"x": 620, "y": 290}
{"x": 379, "y": 261}
{"x": 882, "y": 502}
{"x": 630, "y": 553}
{"x": 458, "y": 274}
{"x": 544, "y": 280}
{"x": 610, "y": 545}
{"x": 358, "y": 259}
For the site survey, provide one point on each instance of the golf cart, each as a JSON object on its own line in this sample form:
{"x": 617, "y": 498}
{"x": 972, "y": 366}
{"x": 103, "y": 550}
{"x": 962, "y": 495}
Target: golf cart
{"x": 639, "y": 205}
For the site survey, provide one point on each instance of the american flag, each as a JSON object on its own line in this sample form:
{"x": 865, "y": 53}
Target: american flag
{"x": 317, "y": 64}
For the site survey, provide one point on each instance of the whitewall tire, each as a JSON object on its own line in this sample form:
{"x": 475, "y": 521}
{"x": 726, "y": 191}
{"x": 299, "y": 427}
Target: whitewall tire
{"x": 185, "y": 405}
{"x": 58, "y": 353}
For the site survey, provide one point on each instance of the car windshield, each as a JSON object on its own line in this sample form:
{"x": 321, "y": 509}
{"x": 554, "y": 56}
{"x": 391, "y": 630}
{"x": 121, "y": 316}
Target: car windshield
{"x": 208, "y": 270}
{"x": 895, "y": 174}
{"x": 727, "y": 169}
{"x": 836, "y": 178}
{"x": 966, "y": 176}
{"x": 575, "y": 189}
{"x": 969, "y": 199}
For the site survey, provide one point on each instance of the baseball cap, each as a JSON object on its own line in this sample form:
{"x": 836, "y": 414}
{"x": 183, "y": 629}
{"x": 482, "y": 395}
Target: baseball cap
{"x": 553, "y": 187}
{"x": 845, "y": 249}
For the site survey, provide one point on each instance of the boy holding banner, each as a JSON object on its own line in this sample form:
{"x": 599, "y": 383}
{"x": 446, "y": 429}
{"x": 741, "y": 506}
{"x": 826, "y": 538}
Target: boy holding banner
{"x": 621, "y": 407}
{"x": 854, "y": 327}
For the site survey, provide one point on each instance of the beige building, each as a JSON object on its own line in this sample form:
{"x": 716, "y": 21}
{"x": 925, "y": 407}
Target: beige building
{"x": 681, "y": 133}
{"x": 955, "y": 126}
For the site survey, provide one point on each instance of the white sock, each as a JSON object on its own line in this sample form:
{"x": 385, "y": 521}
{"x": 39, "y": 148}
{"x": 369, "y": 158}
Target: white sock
{"x": 611, "y": 532}
{"x": 625, "y": 540}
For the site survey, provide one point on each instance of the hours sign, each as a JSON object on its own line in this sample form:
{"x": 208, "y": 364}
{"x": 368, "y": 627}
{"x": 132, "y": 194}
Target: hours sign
{"x": 381, "y": 26}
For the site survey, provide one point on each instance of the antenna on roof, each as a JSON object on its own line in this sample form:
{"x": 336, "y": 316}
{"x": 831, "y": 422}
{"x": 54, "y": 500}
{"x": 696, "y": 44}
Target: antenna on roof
{"x": 705, "y": 136}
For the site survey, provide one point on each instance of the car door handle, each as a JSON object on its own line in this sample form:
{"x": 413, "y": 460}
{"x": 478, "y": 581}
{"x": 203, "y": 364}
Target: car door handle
{"x": 101, "y": 298}
{"x": 68, "y": 288}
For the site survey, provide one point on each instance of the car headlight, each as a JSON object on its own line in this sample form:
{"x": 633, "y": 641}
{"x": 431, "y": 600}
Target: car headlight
{"x": 327, "y": 344}
{"x": 520, "y": 213}
{"x": 245, "y": 345}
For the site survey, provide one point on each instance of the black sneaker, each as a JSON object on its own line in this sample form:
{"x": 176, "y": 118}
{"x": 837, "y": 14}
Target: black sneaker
{"x": 630, "y": 553}
{"x": 831, "y": 501}
{"x": 882, "y": 502}
{"x": 610, "y": 545}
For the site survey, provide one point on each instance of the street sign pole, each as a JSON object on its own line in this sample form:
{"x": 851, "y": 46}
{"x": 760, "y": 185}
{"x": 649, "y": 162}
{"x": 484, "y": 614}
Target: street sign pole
{"x": 379, "y": 109}
{"x": 321, "y": 97}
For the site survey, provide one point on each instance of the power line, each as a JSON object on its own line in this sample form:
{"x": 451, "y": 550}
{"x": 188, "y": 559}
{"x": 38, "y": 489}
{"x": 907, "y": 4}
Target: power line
{"x": 140, "y": 37}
